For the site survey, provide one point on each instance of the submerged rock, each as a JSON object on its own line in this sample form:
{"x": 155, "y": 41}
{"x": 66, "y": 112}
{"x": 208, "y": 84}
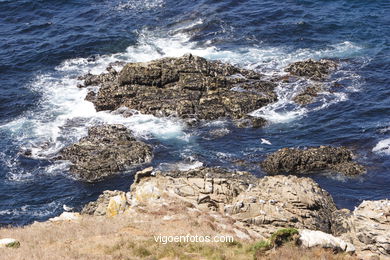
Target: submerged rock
{"x": 316, "y": 70}
{"x": 293, "y": 160}
{"x": 189, "y": 87}
{"x": 106, "y": 150}
{"x": 308, "y": 95}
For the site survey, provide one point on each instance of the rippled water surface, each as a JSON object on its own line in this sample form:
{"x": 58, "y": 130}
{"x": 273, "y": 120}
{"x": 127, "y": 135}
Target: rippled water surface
{"x": 45, "y": 45}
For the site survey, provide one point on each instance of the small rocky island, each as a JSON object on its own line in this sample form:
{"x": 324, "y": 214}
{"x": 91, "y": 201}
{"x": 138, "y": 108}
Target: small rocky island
{"x": 106, "y": 150}
{"x": 189, "y": 87}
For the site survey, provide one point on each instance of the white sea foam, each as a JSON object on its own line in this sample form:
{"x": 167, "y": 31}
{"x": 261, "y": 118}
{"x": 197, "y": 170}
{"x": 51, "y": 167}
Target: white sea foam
{"x": 30, "y": 210}
{"x": 382, "y": 147}
{"x": 139, "y": 5}
{"x": 63, "y": 115}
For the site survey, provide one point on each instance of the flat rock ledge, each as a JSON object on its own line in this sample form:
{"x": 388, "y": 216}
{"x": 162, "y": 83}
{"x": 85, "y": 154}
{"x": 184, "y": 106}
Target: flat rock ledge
{"x": 312, "y": 159}
{"x": 107, "y": 150}
{"x": 242, "y": 205}
{"x": 188, "y": 87}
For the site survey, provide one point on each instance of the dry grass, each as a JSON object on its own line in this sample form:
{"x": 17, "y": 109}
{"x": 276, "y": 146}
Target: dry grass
{"x": 291, "y": 252}
{"x": 124, "y": 238}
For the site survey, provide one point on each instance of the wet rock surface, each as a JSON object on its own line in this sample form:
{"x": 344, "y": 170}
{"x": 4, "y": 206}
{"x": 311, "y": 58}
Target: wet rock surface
{"x": 315, "y": 70}
{"x": 308, "y": 95}
{"x": 188, "y": 87}
{"x": 106, "y": 150}
{"x": 301, "y": 161}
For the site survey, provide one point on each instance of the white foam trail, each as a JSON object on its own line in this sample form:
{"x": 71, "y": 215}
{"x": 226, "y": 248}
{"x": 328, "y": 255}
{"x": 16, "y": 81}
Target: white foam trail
{"x": 272, "y": 61}
{"x": 30, "y": 210}
{"x": 382, "y": 147}
{"x": 139, "y": 5}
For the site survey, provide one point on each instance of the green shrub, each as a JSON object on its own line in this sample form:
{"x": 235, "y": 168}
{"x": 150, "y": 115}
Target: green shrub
{"x": 282, "y": 236}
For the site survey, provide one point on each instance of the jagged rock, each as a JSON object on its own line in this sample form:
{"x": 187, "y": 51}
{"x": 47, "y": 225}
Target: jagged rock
{"x": 254, "y": 208}
{"x": 116, "y": 205}
{"x": 262, "y": 204}
{"x": 284, "y": 201}
{"x": 312, "y": 238}
{"x": 142, "y": 174}
{"x": 293, "y": 160}
{"x": 316, "y": 70}
{"x": 9, "y": 242}
{"x": 368, "y": 228}
{"x": 189, "y": 87}
{"x": 101, "y": 206}
{"x": 106, "y": 150}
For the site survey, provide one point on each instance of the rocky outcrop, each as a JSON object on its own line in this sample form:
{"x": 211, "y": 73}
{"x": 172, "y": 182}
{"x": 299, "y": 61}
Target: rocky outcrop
{"x": 109, "y": 203}
{"x": 302, "y": 161}
{"x": 368, "y": 227}
{"x": 252, "y": 208}
{"x": 283, "y": 201}
{"x": 189, "y": 87}
{"x": 262, "y": 205}
{"x": 315, "y": 70}
{"x": 106, "y": 150}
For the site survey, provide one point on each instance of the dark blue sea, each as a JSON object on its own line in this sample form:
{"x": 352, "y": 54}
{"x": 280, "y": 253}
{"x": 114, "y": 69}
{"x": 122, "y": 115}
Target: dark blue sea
{"x": 45, "y": 45}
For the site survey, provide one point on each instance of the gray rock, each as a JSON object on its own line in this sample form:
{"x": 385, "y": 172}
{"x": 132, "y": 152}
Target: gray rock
{"x": 106, "y": 150}
{"x": 189, "y": 87}
{"x": 292, "y": 160}
{"x": 316, "y": 70}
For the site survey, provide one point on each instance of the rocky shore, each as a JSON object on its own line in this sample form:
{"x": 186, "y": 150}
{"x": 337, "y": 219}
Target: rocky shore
{"x": 254, "y": 208}
{"x": 313, "y": 159}
{"x": 236, "y": 203}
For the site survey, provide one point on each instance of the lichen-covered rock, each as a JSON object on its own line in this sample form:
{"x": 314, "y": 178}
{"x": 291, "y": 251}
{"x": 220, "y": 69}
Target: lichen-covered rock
{"x": 316, "y": 70}
{"x": 263, "y": 205}
{"x": 106, "y": 150}
{"x": 368, "y": 228}
{"x": 189, "y": 87}
{"x": 116, "y": 205}
{"x": 293, "y": 160}
{"x": 284, "y": 201}
{"x": 101, "y": 206}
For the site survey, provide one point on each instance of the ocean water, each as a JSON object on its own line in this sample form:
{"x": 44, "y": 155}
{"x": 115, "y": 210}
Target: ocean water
{"x": 45, "y": 45}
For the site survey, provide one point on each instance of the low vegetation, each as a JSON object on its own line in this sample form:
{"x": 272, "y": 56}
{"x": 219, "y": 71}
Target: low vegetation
{"x": 118, "y": 238}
